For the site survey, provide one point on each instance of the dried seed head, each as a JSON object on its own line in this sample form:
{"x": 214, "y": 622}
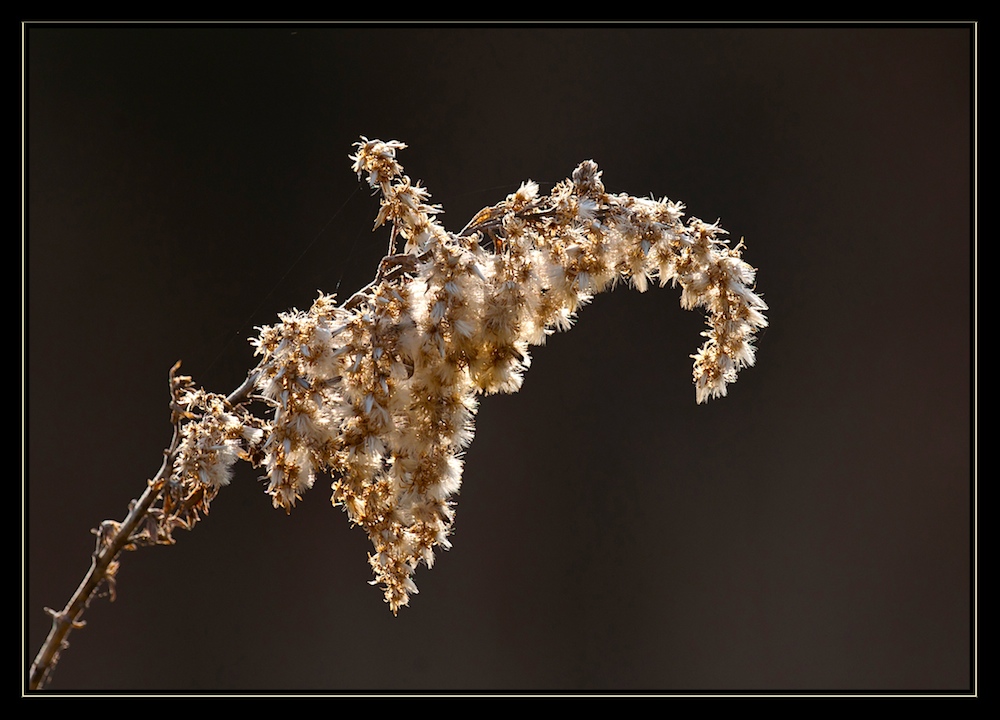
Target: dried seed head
{"x": 381, "y": 391}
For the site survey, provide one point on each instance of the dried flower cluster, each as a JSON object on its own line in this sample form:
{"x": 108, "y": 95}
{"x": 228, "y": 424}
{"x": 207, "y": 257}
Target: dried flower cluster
{"x": 211, "y": 437}
{"x": 381, "y": 391}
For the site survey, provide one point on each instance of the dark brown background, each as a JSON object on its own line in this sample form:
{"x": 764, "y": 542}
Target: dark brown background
{"x": 810, "y": 532}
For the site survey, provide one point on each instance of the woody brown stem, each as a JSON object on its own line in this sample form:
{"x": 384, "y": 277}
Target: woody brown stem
{"x": 108, "y": 549}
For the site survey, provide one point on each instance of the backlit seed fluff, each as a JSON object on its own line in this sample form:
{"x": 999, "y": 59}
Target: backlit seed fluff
{"x": 381, "y": 391}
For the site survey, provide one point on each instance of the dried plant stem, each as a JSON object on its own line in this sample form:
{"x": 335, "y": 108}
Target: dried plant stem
{"x": 380, "y": 392}
{"x": 112, "y": 538}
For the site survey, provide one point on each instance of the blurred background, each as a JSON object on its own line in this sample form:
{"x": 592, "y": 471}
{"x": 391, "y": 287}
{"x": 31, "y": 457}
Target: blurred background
{"x": 811, "y": 532}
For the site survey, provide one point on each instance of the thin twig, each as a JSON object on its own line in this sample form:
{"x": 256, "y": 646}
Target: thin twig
{"x": 108, "y": 548}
